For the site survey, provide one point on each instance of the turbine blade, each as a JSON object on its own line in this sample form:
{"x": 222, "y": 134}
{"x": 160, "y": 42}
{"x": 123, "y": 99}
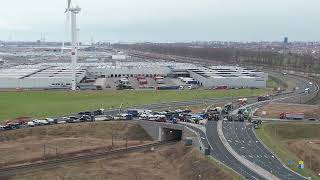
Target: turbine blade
{"x": 65, "y": 32}
{"x": 69, "y": 3}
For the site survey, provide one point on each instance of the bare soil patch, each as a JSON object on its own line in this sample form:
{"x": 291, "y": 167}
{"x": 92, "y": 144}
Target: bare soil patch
{"x": 274, "y": 109}
{"x": 308, "y": 150}
{"x": 35, "y": 144}
{"x": 166, "y": 163}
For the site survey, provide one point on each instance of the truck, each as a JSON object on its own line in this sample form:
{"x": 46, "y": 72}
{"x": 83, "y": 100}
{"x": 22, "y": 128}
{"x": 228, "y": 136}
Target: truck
{"x": 307, "y": 91}
{"x": 123, "y": 87}
{"x": 292, "y": 116}
{"x": 156, "y": 78}
{"x": 191, "y": 82}
{"x": 227, "y": 108}
{"x": 167, "y": 87}
{"x": 140, "y": 77}
{"x": 133, "y": 112}
{"x": 242, "y": 101}
{"x": 143, "y": 81}
{"x": 160, "y": 81}
{"x": 263, "y": 98}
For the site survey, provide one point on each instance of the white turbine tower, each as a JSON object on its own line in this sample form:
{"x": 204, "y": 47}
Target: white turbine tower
{"x": 74, "y": 40}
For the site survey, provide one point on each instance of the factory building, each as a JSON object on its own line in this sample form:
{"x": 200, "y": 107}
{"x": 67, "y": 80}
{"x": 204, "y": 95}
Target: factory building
{"x": 229, "y": 76}
{"x": 133, "y": 69}
{"x": 58, "y": 75}
{"x": 38, "y": 77}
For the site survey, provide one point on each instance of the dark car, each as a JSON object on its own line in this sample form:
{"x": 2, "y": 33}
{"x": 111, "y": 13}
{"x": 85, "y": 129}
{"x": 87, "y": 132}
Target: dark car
{"x": 88, "y": 113}
{"x": 81, "y": 113}
{"x": 85, "y": 118}
{"x": 98, "y": 112}
{"x": 72, "y": 119}
{"x": 12, "y": 126}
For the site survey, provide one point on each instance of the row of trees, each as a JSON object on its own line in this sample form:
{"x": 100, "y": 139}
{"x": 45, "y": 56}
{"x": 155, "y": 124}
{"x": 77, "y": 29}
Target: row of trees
{"x": 231, "y": 55}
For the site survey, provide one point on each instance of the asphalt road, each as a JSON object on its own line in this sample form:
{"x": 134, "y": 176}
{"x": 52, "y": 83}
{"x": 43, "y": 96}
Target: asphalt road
{"x": 220, "y": 153}
{"x": 242, "y": 139}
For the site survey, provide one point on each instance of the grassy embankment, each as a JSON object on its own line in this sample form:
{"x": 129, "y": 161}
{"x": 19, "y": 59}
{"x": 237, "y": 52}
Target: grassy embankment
{"x": 294, "y": 141}
{"x": 40, "y": 104}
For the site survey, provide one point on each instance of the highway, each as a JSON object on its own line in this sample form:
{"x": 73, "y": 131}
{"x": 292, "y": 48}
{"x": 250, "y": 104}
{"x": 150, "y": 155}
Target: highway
{"x": 242, "y": 139}
{"x": 220, "y": 153}
{"x": 239, "y": 135}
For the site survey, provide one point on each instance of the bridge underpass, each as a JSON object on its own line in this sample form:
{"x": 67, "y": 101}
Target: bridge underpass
{"x": 169, "y": 134}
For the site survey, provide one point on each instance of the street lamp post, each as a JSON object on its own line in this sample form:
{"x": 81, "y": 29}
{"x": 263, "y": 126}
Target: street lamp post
{"x": 310, "y": 142}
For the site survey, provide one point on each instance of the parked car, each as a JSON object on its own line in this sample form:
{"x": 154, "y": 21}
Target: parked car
{"x": 31, "y": 124}
{"x": 98, "y": 112}
{"x": 37, "y": 122}
{"x": 12, "y": 126}
{"x": 85, "y": 118}
{"x": 72, "y": 119}
{"x": 51, "y": 121}
{"x": 2, "y": 128}
{"x": 62, "y": 122}
{"x": 123, "y": 117}
{"x": 108, "y": 118}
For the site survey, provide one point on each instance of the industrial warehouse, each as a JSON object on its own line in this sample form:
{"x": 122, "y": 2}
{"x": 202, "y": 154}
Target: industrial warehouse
{"x": 59, "y": 75}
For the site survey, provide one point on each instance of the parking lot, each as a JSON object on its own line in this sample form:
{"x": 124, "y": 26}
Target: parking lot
{"x": 112, "y": 83}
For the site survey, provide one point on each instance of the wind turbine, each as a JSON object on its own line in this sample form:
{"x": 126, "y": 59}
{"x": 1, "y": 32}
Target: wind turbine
{"x": 74, "y": 39}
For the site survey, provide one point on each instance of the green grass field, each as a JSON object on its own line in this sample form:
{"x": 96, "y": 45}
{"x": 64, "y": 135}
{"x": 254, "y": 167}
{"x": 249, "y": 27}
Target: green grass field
{"x": 274, "y": 82}
{"x": 277, "y": 136}
{"x": 40, "y": 104}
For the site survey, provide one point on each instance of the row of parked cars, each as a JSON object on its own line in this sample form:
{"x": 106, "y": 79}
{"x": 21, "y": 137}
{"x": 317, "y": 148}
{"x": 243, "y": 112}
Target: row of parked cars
{"x": 166, "y": 116}
{"x": 88, "y": 116}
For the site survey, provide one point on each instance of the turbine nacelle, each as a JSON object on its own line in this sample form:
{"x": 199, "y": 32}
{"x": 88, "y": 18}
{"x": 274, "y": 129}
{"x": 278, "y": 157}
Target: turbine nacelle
{"x": 69, "y": 8}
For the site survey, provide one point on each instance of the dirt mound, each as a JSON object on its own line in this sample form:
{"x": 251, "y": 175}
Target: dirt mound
{"x": 94, "y": 130}
{"x": 191, "y": 165}
{"x": 31, "y": 144}
{"x": 309, "y": 151}
{"x": 166, "y": 163}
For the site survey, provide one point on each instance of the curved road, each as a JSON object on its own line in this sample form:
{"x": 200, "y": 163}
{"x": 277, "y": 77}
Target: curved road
{"x": 242, "y": 139}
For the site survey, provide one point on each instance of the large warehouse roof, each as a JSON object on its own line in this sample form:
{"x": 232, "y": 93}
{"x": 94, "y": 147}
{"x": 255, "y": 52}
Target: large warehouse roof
{"x": 19, "y": 72}
{"x": 227, "y": 72}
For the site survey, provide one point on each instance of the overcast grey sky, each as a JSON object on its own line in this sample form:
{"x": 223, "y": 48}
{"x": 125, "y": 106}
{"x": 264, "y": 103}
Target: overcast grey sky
{"x": 164, "y": 20}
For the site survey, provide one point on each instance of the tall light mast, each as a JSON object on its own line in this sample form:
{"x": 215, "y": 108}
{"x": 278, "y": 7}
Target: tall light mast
{"x": 74, "y": 41}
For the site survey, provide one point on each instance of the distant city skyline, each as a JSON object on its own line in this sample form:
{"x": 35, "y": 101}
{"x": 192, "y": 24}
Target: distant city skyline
{"x": 164, "y": 20}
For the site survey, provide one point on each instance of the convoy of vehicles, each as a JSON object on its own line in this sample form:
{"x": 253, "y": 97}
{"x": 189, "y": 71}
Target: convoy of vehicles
{"x": 169, "y": 116}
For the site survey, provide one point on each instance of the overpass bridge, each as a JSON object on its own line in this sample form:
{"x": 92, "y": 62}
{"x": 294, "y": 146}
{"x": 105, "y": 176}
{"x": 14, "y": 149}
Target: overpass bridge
{"x": 160, "y": 131}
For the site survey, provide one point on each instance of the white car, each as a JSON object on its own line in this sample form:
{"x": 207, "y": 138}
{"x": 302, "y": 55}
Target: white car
{"x": 62, "y": 122}
{"x": 50, "y": 120}
{"x": 310, "y": 83}
{"x": 38, "y": 122}
{"x": 31, "y": 124}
